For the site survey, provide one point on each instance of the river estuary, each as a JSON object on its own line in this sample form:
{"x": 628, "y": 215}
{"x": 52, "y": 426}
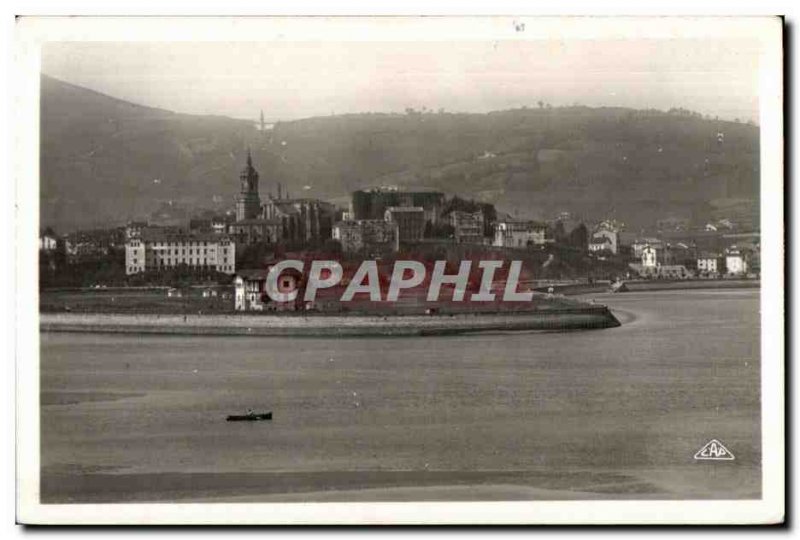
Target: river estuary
{"x": 614, "y": 413}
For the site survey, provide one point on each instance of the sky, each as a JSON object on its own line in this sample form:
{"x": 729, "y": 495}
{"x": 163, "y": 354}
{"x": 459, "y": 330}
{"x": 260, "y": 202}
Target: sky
{"x": 289, "y": 80}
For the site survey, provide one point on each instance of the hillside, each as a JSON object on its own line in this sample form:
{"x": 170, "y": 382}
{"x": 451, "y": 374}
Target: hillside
{"x": 105, "y": 161}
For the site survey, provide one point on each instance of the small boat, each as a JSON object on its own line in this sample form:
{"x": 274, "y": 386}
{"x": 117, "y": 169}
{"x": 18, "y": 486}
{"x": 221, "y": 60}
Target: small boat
{"x": 249, "y": 417}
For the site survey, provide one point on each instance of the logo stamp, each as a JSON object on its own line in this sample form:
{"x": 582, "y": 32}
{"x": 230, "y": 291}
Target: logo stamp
{"x": 714, "y": 450}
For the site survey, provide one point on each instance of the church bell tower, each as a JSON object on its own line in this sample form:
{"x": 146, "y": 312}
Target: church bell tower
{"x": 248, "y": 203}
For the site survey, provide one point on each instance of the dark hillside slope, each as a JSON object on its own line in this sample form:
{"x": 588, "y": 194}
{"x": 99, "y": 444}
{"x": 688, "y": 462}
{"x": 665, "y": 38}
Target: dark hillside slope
{"x": 104, "y": 160}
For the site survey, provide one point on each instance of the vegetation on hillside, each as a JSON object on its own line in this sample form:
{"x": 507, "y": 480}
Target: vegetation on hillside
{"x": 105, "y": 161}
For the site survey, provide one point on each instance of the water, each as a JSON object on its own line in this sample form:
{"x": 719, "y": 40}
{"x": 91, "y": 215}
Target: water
{"x": 605, "y": 413}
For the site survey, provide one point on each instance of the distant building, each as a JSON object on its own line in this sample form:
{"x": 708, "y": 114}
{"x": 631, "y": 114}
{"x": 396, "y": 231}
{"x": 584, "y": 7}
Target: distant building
{"x": 134, "y": 229}
{"x": 519, "y": 233}
{"x": 467, "y": 226}
{"x": 606, "y": 237}
{"x": 410, "y": 222}
{"x": 649, "y": 256}
{"x": 302, "y": 220}
{"x": 736, "y": 260}
{"x": 710, "y": 264}
{"x": 600, "y": 245}
{"x": 48, "y": 241}
{"x": 248, "y": 203}
{"x": 83, "y": 246}
{"x": 250, "y": 290}
{"x": 367, "y": 236}
{"x": 157, "y": 249}
{"x": 372, "y": 204}
{"x": 251, "y": 231}
{"x": 220, "y": 224}
{"x": 280, "y": 219}
{"x": 641, "y": 243}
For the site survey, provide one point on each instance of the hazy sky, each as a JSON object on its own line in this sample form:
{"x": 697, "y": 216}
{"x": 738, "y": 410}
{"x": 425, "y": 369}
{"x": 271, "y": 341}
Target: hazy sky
{"x": 302, "y": 79}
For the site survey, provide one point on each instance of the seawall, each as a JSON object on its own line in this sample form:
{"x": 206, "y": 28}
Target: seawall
{"x": 656, "y": 285}
{"x": 589, "y": 317}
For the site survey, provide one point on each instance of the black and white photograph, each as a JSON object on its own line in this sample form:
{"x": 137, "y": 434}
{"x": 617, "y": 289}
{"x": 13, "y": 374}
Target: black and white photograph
{"x": 284, "y": 270}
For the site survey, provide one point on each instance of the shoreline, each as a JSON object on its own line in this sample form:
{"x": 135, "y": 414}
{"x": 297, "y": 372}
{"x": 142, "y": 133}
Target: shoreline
{"x": 581, "y": 318}
{"x": 657, "y": 285}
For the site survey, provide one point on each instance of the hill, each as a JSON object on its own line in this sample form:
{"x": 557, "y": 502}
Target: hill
{"x": 105, "y": 160}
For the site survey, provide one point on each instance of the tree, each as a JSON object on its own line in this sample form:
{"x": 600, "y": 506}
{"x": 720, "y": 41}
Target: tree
{"x": 579, "y": 237}
{"x": 559, "y": 233}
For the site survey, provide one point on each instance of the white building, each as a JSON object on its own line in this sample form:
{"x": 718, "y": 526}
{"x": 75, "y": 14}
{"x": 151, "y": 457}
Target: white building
{"x": 649, "y": 256}
{"x": 250, "y": 290}
{"x": 518, "y": 233}
{"x": 156, "y": 249}
{"x": 709, "y": 264}
{"x": 607, "y": 237}
{"x": 736, "y": 261}
{"x": 600, "y": 244}
{"x": 48, "y": 241}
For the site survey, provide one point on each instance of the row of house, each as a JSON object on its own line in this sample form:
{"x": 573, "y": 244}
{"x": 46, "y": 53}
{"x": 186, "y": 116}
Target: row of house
{"x": 661, "y": 261}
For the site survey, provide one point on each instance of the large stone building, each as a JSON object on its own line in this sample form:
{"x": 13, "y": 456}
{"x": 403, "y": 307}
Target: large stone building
{"x": 369, "y": 237}
{"x": 373, "y": 203}
{"x": 155, "y": 248}
{"x": 301, "y": 220}
{"x": 278, "y": 219}
{"x": 410, "y": 222}
{"x": 467, "y": 227}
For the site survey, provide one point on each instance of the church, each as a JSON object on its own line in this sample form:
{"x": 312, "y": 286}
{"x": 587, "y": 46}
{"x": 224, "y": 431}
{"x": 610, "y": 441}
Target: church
{"x": 301, "y": 221}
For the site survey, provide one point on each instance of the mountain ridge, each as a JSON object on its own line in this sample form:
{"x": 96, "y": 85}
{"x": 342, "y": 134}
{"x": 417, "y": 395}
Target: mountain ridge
{"x": 105, "y": 160}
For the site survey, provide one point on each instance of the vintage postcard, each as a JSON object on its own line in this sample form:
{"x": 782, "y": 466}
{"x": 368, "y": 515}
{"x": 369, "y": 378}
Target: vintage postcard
{"x": 394, "y": 270}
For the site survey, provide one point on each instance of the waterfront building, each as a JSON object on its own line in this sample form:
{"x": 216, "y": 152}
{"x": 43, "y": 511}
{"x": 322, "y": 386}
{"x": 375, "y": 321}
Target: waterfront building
{"x": 250, "y": 290}
{"x": 517, "y": 233}
{"x": 157, "y": 248}
{"x": 710, "y": 264}
{"x": 736, "y": 260}
{"x": 410, "y": 222}
{"x": 649, "y": 256}
{"x": 641, "y": 243}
